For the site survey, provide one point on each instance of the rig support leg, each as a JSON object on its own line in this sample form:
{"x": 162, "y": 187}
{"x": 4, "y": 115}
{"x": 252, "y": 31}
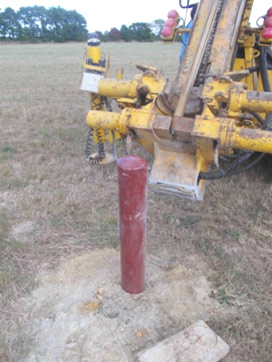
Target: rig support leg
{"x": 132, "y": 174}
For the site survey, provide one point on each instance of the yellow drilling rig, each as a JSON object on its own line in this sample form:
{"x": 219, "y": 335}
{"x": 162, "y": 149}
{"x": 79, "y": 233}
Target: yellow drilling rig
{"x": 213, "y": 121}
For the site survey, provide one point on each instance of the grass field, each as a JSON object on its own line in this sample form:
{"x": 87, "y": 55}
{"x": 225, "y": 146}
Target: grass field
{"x": 53, "y": 204}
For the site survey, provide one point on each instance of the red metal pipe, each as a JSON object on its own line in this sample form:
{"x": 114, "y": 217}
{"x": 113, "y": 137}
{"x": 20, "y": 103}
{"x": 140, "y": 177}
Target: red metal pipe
{"x": 132, "y": 174}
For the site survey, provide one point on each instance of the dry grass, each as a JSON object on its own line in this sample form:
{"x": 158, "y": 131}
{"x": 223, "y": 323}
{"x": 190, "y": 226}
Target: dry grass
{"x": 53, "y": 204}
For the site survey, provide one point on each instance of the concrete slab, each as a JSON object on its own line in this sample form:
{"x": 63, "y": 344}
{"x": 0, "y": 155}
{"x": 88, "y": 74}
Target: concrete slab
{"x": 197, "y": 343}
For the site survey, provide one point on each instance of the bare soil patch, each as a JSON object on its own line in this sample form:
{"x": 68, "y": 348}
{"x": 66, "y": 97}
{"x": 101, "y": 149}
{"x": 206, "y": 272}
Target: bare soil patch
{"x": 80, "y": 313}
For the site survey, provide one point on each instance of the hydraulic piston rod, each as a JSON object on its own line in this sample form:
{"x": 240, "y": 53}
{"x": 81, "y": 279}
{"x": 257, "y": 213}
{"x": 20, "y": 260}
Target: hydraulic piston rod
{"x": 252, "y": 100}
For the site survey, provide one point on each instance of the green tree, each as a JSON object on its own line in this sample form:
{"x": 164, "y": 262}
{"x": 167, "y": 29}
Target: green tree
{"x": 141, "y": 32}
{"x": 39, "y": 24}
{"x": 33, "y": 21}
{"x": 102, "y": 37}
{"x": 10, "y": 26}
{"x": 114, "y": 34}
{"x": 125, "y": 33}
{"x": 2, "y": 24}
{"x": 66, "y": 25}
{"x": 156, "y": 27}
{"x": 75, "y": 26}
{"x": 106, "y": 36}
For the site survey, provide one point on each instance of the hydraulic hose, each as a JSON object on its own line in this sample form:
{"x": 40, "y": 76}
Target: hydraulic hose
{"x": 231, "y": 168}
{"x": 269, "y": 54}
{"x": 258, "y": 117}
{"x": 263, "y": 68}
{"x": 257, "y": 68}
{"x": 188, "y": 6}
{"x": 227, "y": 170}
{"x": 265, "y": 80}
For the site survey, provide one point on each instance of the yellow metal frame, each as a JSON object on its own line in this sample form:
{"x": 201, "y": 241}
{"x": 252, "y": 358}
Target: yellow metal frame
{"x": 160, "y": 123}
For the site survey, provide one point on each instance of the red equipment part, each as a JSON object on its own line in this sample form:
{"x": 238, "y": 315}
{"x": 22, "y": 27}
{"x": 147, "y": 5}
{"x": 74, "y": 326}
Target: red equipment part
{"x": 173, "y": 14}
{"x": 132, "y": 175}
{"x": 268, "y": 22}
{"x": 269, "y": 12}
{"x": 170, "y": 22}
{"x": 167, "y": 31}
{"x": 267, "y": 33}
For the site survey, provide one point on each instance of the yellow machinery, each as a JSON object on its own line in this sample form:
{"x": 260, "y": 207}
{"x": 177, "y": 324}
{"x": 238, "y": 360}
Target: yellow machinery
{"x": 213, "y": 121}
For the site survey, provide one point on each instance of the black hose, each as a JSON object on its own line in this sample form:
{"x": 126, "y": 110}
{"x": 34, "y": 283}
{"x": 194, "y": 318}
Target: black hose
{"x": 214, "y": 175}
{"x": 232, "y": 167}
{"x": 258, "y": 117}
{"x": 188, "y": 6}
{"x": 265, "y": 81}
{"x": 257, "y": 68}
{"x": 227, "y": 170}
{"x": 269, "y": 54}
{"x": 264, "y": 72}
{"x": 247, "y": 167}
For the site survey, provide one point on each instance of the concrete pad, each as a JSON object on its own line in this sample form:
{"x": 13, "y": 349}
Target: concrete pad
{"x": 197, "y": 343}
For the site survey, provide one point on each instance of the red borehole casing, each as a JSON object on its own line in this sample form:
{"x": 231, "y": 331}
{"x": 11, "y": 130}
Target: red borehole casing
{"x": 132, "y": 175}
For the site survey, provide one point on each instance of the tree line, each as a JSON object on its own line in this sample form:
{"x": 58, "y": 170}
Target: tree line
{"x": 135, "y": 32}
{"x": 38, "y": 24}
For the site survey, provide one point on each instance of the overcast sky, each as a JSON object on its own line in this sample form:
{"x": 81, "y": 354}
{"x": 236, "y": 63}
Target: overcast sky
{"x": 105, "y": 14}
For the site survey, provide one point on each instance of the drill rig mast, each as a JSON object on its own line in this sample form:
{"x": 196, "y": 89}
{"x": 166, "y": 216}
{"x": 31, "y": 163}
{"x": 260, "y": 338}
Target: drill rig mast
{"x": 213, "y": 121}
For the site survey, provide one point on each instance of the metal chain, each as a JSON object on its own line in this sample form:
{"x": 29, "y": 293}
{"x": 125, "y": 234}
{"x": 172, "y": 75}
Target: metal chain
{"x": 97, "y": 103}
{"x": 88, "y": 149}
{"x": 101, "y": 150}
{"x": 200, "y": 78}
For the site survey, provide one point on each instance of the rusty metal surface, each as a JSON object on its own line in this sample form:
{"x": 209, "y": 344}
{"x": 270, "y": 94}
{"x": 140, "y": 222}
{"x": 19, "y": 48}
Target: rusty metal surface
{"x": 252, "y": 140}
{"x": 161, "y": 127}
{"x": 204, "y": 66}
{"x": 176, "y": 173}
{"x": 245, "y": 20}
{"x": 183, "y": 129}
{"x": 228, "y": 135}
{"x": 250, "y": 100}
{"x": 208, "y": 110}
{"x": 118, "y": 88}
{"x": 193, "y": 56}
{"x": 227, "y": 31}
